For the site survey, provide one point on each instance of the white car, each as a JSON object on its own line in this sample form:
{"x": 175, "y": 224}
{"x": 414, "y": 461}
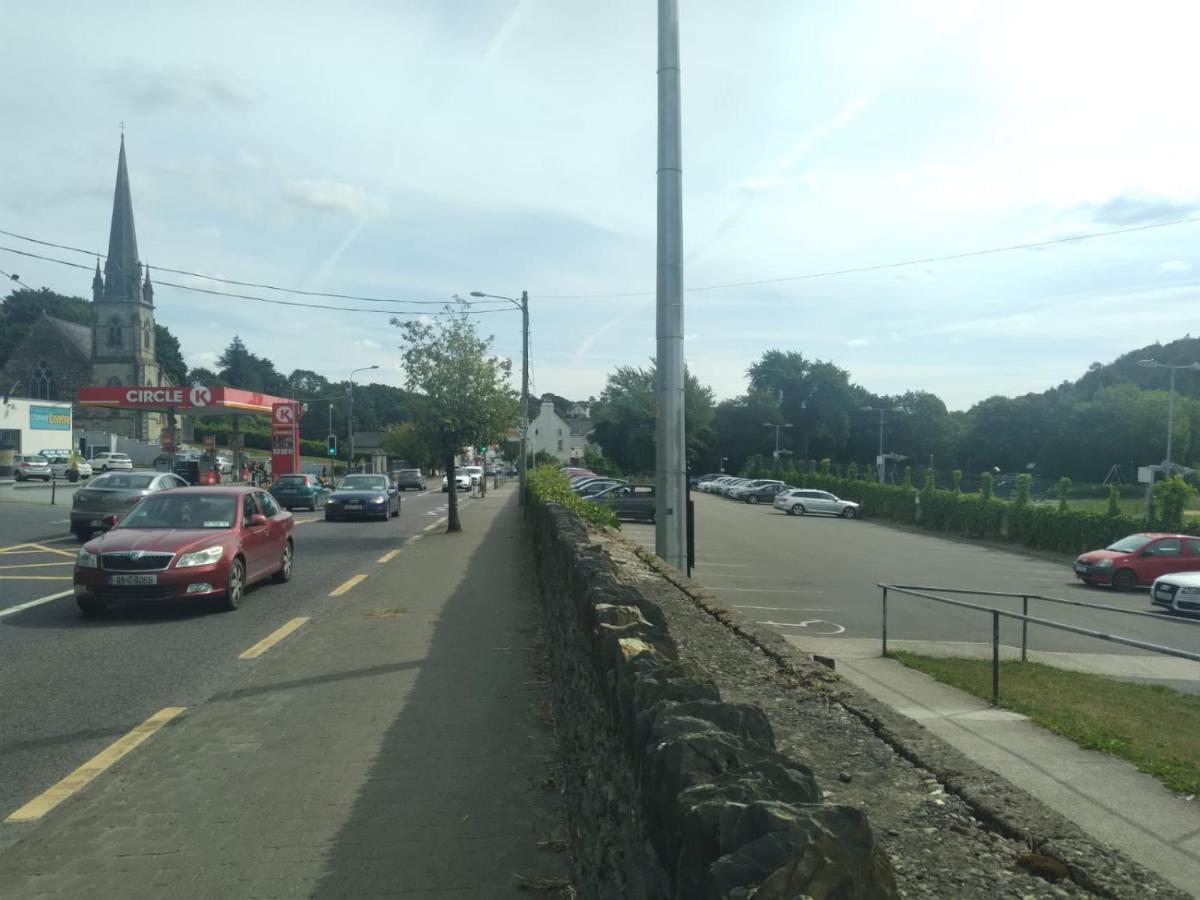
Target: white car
{"x": 804, "y": 500}
{"x": 61, "y": 466}
{"x": 461, "y": 480}
{"x": 106, "y": 462}
{"x": 31, "y": 467}
{"x": 1179, "y": 592}
{"x": 474, "y": 472}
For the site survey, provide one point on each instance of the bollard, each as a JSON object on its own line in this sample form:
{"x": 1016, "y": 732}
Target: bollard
{"x": 884, "y": 622}
{"x": 53, "y": 486}
{"x": 995, "y": 658}
{"x": 1024, "y": 625}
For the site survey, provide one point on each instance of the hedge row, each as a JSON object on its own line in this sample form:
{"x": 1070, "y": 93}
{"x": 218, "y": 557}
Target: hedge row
{"x": 976, "y": 516}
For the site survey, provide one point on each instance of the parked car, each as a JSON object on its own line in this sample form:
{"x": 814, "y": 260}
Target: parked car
{"x": 409, "y": 478}
{"x": 181, "y": 544}
{"x": 1178, "y": 593}
{"x": 62, "y": 467}
{"x": 696, "y": 480}
{"x": 371, "y": 496}
{"x": 103, "y": 462}
{"x": 113, "y": 493}
{"x": 725, "y": 488}
{"x": 766, "y": 491}
{"x": 598, "y": 485}
{"x": 1139, "y": 559}
{"x": 744, "y": 490}
{"x": 29, "y": 467}
{"x": 800, "y": 501}
{"x": 474, "y": 473}
{"x": 628, "y": 501}
{"x": 299, "y": 490}
{"x": 224, "y": 463}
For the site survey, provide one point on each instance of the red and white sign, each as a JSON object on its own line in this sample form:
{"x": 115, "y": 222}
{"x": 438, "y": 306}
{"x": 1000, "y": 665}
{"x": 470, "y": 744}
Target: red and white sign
{"x": 283, "y": 414}
{"x": 221, "y": 400}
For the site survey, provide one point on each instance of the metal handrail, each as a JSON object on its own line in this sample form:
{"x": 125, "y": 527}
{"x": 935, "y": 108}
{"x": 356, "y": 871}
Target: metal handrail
{"x": 1063, "y": 600}
{"x": 1025, "y": 619}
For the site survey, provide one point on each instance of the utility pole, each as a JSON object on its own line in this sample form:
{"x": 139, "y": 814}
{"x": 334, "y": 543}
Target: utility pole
{"x": 880, "y": 462}
{"x": 524, "y": 464}
{"x": 670, "y": 529}
{"x": 777, "y": 426}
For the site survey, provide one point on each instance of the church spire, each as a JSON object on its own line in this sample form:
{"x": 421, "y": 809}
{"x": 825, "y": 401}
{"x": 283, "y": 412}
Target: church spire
{"x": 121, "y": 267}
{"x": 148, "y": 288}
{"x": 97, "y": 283}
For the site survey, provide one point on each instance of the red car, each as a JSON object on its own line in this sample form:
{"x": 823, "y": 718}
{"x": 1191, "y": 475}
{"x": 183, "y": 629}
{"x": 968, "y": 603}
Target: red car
{"x": 187, "y": 542}
{"x": 1139, "y": 559}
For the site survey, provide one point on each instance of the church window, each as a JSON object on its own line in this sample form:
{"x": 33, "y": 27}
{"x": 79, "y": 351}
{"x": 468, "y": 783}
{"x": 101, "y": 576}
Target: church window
{"x": 41, "y": 382}
{"x": 146, "y": 335}
{"x": 115, "y": 338}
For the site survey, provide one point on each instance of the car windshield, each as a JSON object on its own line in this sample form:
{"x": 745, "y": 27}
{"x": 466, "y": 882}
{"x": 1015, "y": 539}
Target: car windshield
{"x": 1129, "y": 544}
{"x": 124, "y": 482}
{"x": 363, "y": 483}
{"x": 410, "y": 473}
{"x": 182, "y": 510}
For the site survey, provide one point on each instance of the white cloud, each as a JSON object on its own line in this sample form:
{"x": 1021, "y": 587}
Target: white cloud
{"x": 332, "y": 197}
{"x": 1174, "y": 267}
{"x": 204, "y": 359}
{"x": 186, "y": 88}
{"x": 368, "y": 344}
{"x": 858, "y": 342}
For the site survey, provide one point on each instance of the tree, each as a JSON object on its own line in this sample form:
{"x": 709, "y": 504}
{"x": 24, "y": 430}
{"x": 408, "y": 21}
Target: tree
{"x": 462, "y": 392}
{"x": 170, "y": 358}
{"x": 407, "y": 442}
{"x": 23, "y": 307}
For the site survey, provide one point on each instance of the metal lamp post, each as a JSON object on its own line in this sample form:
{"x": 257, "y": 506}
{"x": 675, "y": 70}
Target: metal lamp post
{"x": 880, "y": 462}
{"x": 1154, "y": 364}
{"x": 350, "y": 412}
{"x": 777, "y": 426}
{"x": 523, "y": 305}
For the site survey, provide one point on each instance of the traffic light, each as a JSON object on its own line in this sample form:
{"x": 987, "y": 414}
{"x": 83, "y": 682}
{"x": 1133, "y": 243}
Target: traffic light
{"x": 332, "y": 451}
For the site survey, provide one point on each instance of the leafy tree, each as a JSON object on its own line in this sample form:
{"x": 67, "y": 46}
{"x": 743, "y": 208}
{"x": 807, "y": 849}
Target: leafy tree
{"x": 406, "y": 440}
{"x": 1171, "y": 497}
{"x": 1114, "y": 501}
{"x": 1064, "y": 489}
{"x": 1022, "y": 496}
{"x": 23, "y": 307}
{"x": 170, "y": 357}
{"x": 461, "y": 387}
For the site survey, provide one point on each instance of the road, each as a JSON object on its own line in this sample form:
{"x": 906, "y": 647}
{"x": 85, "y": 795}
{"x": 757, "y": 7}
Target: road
{"x": 814, "y": 579}
{"x": 69, "y": 686}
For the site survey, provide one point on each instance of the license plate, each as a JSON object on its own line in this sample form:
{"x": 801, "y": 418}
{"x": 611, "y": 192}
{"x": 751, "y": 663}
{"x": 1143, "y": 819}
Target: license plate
{"x": 132, "y": 579}
{"x": 353, "y": 506}
{"x": 1081, "y": 568}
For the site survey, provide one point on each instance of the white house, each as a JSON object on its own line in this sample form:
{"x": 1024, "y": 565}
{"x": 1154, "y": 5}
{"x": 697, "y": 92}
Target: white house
{"x": 565, "y": 439}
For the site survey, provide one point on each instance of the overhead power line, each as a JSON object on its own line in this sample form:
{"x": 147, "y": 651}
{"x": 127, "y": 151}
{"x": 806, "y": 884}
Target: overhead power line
{"x": 273, "y": 301}
{"x": 1032, "y": 245}
{"x": 251, "y": 284}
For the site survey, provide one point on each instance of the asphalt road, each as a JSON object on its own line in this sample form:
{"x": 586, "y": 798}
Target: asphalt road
{"x": 69, "y": 686}
{"x": 816, "y": 577}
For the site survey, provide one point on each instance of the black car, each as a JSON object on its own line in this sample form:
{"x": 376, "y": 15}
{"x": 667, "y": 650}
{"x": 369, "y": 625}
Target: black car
{"x": 409, "y": 478}
{"x": 369, "y": 496}
{"x": 628, "y": 501}
{"x": 764, "y": 493}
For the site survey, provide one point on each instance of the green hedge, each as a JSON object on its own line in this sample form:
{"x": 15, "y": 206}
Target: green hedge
{"x": 1043, "y": 527}
{"x": 549, "y": 485}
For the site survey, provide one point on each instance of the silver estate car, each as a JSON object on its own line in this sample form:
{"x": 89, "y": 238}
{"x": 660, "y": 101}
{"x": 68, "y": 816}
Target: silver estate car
{"x": 113, "y": 493}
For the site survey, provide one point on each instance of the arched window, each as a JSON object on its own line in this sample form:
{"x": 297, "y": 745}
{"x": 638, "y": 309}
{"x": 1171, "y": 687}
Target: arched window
{"x": 115, "y": 337}
{"x": 146, "y": 335}
{"x": 41, "y": 382}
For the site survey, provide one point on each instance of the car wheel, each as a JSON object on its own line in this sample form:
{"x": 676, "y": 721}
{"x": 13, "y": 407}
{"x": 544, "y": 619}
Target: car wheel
{"x": 849, "y": 512}
{"x": 329, "y": 518}
{"x": 796, "y": 510}
{"x": 752, "y": 500}
{"x": 1124, "y": 580}
{"x": 90, "y": 606}
{"x": 396, "y": 514}
{"x": 288, "y": 508}
{"x": 83, "y": 535}
{"x": 18, "y": 476}
{"x": 285, "y": 567}
{"x": 235, "y": 586}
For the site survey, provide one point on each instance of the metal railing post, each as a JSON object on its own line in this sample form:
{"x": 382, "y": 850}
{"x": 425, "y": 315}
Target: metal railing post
{"x": 995, "y": 658}
{"x": 1024, "y": 625}
{"x": 884, "y": 622}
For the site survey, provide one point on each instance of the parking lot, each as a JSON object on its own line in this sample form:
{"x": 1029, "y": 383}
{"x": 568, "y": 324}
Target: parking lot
{"x": 814, "y": 579}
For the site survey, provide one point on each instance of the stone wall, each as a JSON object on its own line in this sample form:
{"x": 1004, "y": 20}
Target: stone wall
{"x": 674, "y": 792}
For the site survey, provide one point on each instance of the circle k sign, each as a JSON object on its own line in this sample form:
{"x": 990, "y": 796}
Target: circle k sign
{"x": 284, "y": 414}
{"x": 200, "y": 396}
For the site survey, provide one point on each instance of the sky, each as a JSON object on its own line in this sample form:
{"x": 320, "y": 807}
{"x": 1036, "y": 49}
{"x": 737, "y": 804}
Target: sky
{"x": 417, "y": 150}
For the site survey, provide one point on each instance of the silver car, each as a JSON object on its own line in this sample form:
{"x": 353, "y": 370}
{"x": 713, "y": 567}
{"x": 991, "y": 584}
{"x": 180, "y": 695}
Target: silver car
{"x": 112, "y": 494}
{"x": 805, "y": 500}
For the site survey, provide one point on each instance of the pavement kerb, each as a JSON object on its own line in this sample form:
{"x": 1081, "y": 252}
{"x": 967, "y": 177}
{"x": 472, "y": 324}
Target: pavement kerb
{"x": 994, "y": 800}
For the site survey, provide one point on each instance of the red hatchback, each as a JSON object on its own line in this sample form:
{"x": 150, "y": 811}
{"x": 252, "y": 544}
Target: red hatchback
{"x": 1139, "y": 559}
{"x": 188, "y": 542}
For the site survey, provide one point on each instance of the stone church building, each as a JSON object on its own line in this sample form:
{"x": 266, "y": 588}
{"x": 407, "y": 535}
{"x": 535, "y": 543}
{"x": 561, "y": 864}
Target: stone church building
{"x": 59, "y": 357}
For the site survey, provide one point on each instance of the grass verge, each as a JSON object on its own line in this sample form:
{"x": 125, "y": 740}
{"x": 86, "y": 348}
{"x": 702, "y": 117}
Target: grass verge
{"x": 1153, "y": 727}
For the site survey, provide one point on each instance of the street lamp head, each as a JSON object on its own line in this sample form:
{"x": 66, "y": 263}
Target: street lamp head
{"x": 373, "y": 367}
{"x": 478, "y": 294}
{"x": 1148, "y": 363}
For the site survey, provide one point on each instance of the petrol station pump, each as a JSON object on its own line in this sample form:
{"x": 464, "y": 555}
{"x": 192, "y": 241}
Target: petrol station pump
{"x": 285, "y": 437}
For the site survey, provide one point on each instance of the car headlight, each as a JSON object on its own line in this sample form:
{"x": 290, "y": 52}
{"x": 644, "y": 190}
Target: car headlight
{"x": 86, "y": 559}
{"x": 1189, "y": 590}
{"x": 1103, "y": 564}
{"x": 376, "y": 499}
{"x": 200, "y": 558}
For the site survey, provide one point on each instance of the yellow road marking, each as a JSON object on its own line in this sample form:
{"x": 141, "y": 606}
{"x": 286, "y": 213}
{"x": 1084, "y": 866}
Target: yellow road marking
{"x": 390, "y": 555}
{"x": 16, "y": 548}
{"x": 81, "y": 777}
{"x": 55, "y": 550}
{"x": 346, "y": 585}
{"x": 302, "y": 521}
{"x": 35, "y": 577}
{"x": 440, "y": 522}
{"x": 6, "y": 566}
{"x": 274, "y": 638}
{"x": 413, "y": 539}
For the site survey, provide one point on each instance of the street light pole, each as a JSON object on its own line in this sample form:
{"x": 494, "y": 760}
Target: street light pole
{"x": 523, "y": 305}
{"x": 777, "y": 426}
{"x": 880, "y": 463}
{"x": 350, "y": 412}
{"x": 1154, "y": 364}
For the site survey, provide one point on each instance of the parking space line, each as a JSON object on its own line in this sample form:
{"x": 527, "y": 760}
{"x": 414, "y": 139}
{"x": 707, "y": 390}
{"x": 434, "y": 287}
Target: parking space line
{"x": 770, "y": 590}
{"x": 723, "y": 565}
{"x": 31, "y": 603}
{"x": 54, "y": 550}
{"x": 273, "y": 638}
{"x": 347, "y": 585}
{"x": 7, "y": 566}
{"x": 85, "y": 774}
{"x": 35, "y": 577}
{"x": 789, "y": 608}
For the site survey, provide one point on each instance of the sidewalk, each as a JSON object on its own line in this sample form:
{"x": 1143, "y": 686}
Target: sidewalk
{"x": 391, "y": 747}
{"x": 1107, "y": 797}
